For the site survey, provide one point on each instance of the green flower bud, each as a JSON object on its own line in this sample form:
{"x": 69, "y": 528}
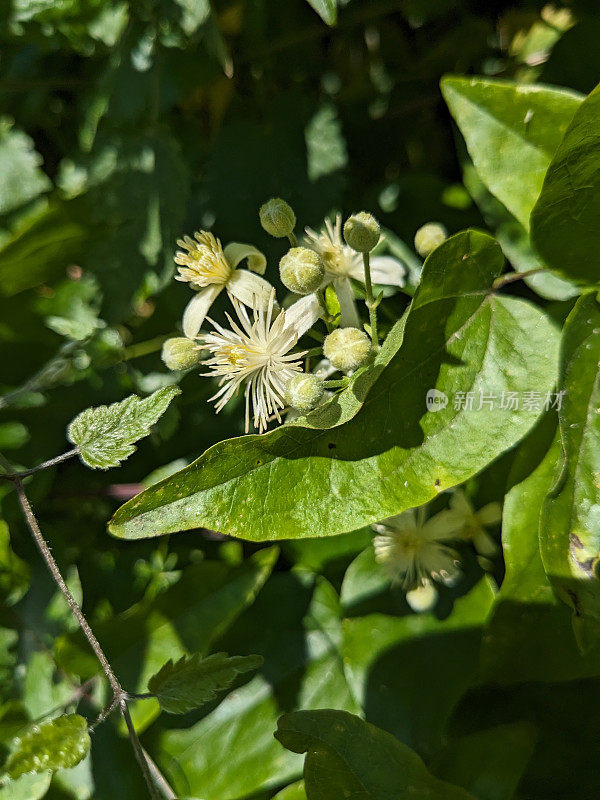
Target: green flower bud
{"x": 301, "y": 270}
{"x": 180, "y": 353}
{"x": 428, "y": 237}
{"x": 361, "y": 232}
{"x": 277, "y": 218}
{"x": 347, "y": 348}
{"x": 304, "y": 391}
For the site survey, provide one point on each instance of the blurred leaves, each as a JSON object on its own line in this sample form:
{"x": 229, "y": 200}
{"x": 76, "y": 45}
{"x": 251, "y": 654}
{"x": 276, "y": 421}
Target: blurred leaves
{"x": 20, "y": 167}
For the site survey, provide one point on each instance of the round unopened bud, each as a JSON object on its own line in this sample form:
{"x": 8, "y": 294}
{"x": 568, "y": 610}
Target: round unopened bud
{"x": 347, "y": 348}
{"x": 277, "y": 217}
{"x": 304, "y": 391}
{"x": 361, "y": 232}
{"x": 180, "y": 353}
{"x": 428, "y": 237}
{"x": 301, "y": 270}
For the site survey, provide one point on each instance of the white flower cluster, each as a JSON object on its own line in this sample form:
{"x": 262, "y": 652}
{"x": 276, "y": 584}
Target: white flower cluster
{"x": 415, "y": 551}
{"x": 257, "y": 354}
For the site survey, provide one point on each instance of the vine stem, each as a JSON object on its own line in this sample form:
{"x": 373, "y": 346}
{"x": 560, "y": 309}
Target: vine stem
{"x": 516, "y": 276}
{"x": 371, "y": 304}
{"x": 152, "y": 774}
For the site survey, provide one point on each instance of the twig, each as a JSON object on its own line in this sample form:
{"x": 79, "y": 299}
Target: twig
{"x": 159, "y": 778}
{"x": 150, "y": 771}
{"x": 33, "y": 526}
{"x": 10, "y": 476}
{"x": 515, "y": 276}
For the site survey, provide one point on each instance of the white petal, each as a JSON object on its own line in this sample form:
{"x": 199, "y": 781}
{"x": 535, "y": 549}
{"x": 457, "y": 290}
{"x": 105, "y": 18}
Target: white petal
{"x": 197, "y": 309}
{"x": 490, "y": 514}
{"x": 250, "y": 289}
{"x": 345, "y": 294}
{"x": 387, "y": 271}
{"x": 303, "y": 314}
{"x": 236, "y": 252}
{"x": 423, "y": 598}
{"x": 446, "y": 524}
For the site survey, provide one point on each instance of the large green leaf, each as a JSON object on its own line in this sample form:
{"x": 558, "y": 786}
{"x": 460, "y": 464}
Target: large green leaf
{"x": 231, "y": 752}
{"x": 393, "y": 665}
{"x": 186, "y": 618}
{"x": 529, "y": 634}
{"x": 512, "y": 131}
{"x": 393, "y": 454}
{"x": 564, "y": 222}
{"x": 570, "y": 525}
{"x": 105, "y": 435}
{"x": 59, "y": 744}
{"x": 187, "y": 684}
{"x": 347, "y": 757}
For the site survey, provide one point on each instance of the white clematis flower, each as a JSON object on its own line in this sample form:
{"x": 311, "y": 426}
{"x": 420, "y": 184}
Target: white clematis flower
{"x": 342, "y": 263}
{"x": 208, "y": 268}
{"x": 257, "y": 352}
{"x": 474, "y": 522}
{"x": 414, "y": 551}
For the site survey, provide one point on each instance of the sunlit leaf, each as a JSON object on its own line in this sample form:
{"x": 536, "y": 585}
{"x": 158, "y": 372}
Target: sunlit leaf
{"x": 105, "y": 435}
{"x": 512, "y": 131}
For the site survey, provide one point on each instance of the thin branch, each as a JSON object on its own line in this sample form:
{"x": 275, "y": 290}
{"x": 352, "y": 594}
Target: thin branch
{"x": 33, "y": 526}
{"x": 50, "y": 463}
{"x": 152, "y": 774}
{"x": 139, "y": 751}
{"x": 159, "y": 779}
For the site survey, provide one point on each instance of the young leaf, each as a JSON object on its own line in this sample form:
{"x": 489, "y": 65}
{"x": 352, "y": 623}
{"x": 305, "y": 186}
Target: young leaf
{"x": 390, "y": 453}
{"x": 347, "y": 757}
{"x": 326, "y": 9}
{"x": 105, "y": 434}
{"x": 564, "y": 222}
{"x": 192, "y": 681}
{"x": 512, "y": 131}
{"x": 59, "y": 744}
{"x": 570, "y": 526}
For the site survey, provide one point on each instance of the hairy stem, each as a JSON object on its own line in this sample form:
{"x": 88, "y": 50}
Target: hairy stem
{"x": 50, "y": 463}
{"x": 371, "y": 304}
{"x": 42, "y": 546}
{"x": 150, "y": 771}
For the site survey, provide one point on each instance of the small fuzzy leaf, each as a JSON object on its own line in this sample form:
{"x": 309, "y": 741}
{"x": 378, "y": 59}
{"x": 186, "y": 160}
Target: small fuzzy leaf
{"x": 193, "y": 680}
{"x": 59, "y": 744}
{"x": 105, "y": 435}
